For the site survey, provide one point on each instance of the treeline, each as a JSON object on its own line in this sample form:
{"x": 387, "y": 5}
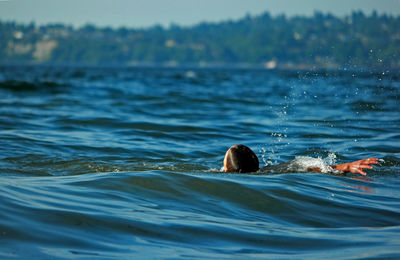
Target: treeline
{"x": 322, "y": 41}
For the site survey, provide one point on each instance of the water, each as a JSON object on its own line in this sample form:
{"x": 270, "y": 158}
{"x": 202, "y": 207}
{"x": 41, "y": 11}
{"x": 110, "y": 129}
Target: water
{"x": 115, "y": 163}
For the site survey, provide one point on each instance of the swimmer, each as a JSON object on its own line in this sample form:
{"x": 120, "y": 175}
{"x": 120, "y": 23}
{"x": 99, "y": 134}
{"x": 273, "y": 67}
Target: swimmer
{"x": 240, "y": 158}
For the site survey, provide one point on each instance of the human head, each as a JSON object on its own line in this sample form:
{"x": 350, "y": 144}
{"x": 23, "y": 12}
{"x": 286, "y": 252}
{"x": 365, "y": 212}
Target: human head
{"x": 240, "y": 158}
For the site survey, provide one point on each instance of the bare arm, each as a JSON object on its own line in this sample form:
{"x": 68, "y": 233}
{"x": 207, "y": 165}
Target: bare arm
{"x": 304, "y": 164}
{"x": 353, "y": 167}
{"x": 357, "y": 166}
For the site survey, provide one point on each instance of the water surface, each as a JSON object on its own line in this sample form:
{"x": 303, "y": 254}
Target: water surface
{"x": 122, "y": 162}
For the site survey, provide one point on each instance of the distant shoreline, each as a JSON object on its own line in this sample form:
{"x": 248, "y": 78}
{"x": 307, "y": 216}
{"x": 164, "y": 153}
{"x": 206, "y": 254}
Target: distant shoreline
{"x": 323, "y": 41}
{"x": 154, "y": 66}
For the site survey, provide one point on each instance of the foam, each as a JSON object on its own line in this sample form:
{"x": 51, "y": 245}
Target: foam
{"x": 303, "y": 163}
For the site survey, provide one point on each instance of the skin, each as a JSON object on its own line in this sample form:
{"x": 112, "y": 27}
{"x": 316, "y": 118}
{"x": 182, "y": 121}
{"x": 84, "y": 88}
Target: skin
{"x": 356, "y": 167}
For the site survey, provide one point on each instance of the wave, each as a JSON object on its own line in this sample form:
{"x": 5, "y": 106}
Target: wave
{"x": 121, "y": 164}
{"x": 283, "y": 215}
{"x": 29, "y": 86}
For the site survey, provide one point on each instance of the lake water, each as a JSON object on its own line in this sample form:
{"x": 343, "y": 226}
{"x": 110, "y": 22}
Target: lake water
{"x": 122, "y": 163}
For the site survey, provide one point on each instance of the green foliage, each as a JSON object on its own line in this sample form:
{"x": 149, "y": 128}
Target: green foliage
{"x": 323, "y": 41}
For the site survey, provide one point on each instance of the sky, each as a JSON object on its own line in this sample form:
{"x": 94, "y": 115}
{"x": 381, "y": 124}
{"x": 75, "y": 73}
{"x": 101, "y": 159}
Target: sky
{"x": 146, "y": 13}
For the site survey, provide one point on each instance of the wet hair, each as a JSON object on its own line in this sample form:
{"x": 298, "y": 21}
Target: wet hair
{"x": 240, "y": 158}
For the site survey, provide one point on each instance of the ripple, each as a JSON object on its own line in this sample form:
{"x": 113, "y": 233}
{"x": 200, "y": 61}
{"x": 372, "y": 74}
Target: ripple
{"x": 118, "y": 163}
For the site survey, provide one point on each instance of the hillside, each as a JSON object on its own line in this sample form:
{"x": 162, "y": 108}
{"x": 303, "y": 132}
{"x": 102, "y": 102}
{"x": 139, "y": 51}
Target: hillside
{"x": 320, "y": 41}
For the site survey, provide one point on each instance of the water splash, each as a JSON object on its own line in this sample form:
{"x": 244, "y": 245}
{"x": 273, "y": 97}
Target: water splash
{"x": 279, "y": 137}
{"x": 330, "y": 159}
{"x": 303, "y": 163}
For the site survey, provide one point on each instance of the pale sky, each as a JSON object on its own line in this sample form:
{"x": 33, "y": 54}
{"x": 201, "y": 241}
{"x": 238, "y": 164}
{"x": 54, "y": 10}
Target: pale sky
{"x": 145, "y": 13}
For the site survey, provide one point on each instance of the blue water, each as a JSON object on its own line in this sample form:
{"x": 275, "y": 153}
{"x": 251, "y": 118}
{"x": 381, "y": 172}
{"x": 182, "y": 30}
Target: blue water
{"x": 123, "y": 163}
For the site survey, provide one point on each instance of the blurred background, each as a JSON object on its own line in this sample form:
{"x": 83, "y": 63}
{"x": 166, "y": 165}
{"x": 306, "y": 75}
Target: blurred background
{"x": 266, "y": 34}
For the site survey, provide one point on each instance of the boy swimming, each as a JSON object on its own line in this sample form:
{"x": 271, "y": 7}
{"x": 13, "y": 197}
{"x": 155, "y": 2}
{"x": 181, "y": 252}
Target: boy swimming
{"x": 240, "y": 158}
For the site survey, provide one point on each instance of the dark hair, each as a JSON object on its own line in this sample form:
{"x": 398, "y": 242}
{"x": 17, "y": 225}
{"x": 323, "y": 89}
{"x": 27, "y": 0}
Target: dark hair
{"x": 240, "y": 158}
